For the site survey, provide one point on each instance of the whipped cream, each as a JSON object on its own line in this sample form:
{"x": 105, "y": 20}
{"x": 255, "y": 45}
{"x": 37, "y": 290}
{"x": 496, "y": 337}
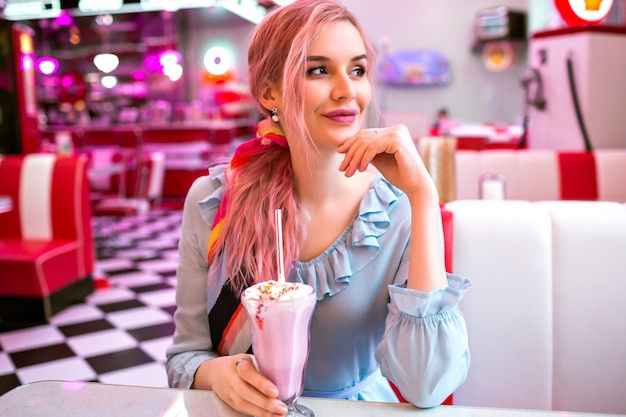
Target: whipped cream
{"x": 275, "y": 290}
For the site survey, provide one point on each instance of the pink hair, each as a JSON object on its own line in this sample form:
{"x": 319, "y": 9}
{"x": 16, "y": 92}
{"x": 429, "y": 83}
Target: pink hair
{"x": 276, "y": 58}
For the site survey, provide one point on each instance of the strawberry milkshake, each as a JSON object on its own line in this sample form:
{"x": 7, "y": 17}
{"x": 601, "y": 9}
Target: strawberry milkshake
{"x": 280, "y": 314}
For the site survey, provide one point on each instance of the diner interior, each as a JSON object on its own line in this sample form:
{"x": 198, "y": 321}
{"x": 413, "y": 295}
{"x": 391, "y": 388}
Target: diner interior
{"x": 109, "y": 112}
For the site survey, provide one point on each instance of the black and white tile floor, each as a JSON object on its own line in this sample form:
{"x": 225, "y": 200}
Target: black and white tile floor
{"x": 119, "y": 334}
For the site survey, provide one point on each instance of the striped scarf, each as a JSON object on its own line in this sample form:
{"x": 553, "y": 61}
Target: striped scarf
{"x": 230, "y": 333}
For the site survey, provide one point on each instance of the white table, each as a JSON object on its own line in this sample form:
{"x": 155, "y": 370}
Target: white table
{"x": 79, "y": 399}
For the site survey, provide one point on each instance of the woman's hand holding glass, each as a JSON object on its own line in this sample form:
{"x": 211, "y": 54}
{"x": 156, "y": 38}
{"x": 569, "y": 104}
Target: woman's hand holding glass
{"x": 238, "y": 382}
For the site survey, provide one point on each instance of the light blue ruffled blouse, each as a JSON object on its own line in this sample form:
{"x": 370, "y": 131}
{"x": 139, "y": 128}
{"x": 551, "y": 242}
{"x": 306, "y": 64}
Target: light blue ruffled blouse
{"x": 367, "y": 325}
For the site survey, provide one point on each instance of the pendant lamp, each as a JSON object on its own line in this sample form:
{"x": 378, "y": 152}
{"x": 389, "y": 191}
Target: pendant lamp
{"x": 106, "y": 61}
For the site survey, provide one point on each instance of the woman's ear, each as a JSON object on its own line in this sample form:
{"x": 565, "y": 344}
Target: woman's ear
{"x": 270, "y": 97}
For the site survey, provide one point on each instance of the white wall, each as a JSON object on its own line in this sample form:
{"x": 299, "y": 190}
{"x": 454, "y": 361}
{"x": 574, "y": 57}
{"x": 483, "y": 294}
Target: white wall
{"x": 475, "y": 94}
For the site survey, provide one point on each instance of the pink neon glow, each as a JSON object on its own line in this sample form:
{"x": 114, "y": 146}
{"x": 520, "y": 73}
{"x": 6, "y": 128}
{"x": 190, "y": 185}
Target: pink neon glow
{"x": 152, "y": 63}
{"x": 27, "y": 62}
{"x": 64, "y": 19}
{"x": 169, "y": 58}
{"x": 47, "y": 65}
{"x": 138, "y": 75}
{"x": 67, "y": 81}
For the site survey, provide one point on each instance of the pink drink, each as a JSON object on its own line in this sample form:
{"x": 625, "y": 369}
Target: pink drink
{"x": 280, "y": 315}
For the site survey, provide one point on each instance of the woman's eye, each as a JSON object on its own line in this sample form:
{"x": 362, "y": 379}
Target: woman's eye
{"x": 316, "y": 70}
{"x": 359, "y": 72}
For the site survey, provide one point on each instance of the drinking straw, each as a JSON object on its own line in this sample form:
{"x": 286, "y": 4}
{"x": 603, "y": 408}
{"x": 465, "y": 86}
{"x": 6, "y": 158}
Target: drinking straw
{"x": 279, "y": 245}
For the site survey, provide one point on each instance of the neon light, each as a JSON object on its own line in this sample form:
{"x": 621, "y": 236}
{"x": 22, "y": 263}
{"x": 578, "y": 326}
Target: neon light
{"x": 109, "y": 81}
{"x": 152, "y": 63}
{"x": 169, "y": 58}
{"x": 99, "y": 6}
{"x": 47, "y": 65}
{"x": 583, "y": 12}
{"x": 32, "y": 9}
{"x": 27, "y": 62}
{"x": 106, "y": 62}
{"x": 217, "y": 60}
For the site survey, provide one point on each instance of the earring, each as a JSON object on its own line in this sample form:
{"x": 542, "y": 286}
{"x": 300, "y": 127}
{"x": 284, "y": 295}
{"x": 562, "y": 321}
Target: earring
{"x": 275, "y": 118}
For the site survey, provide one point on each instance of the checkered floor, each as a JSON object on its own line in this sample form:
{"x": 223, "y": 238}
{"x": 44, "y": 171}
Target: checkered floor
{"x": 119, "y": 334}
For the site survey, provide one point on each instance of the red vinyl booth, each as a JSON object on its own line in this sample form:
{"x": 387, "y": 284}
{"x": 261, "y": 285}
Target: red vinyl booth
{"x": 46, "y": 245}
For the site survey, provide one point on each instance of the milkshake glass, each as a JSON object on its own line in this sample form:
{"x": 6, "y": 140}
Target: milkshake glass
{"x": 280, "y": 314}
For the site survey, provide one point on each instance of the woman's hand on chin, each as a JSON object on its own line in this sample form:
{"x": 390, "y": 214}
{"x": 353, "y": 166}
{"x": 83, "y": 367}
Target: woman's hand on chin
{"x": 392, "y": 151}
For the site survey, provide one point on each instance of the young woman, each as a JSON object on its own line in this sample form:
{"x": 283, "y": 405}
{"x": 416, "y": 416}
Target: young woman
{"x": 361, "y": 225}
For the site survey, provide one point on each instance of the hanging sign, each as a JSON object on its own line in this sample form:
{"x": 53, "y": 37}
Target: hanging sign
{"x": 498, "y": 56}
{"x": 583, "y": 12}
{"x": 415, "y": 68}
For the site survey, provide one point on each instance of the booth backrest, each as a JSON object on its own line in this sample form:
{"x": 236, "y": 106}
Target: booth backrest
{"x": 589, "y": 313}
{"x": 546, "y": 313}
{"x": 50, "y": 201}
{"x": 503, "y": 247}
{"x": 537, "y": 175}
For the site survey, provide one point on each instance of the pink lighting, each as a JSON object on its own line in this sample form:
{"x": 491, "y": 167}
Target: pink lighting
{"x": 64, "y": 19}
{"x": 27, "y": 62}
{"x": 138, "y": 75}
{"x": 152, "y": 63}
{"x": 169, "y": 58}
{"x": 217, "y": 60}
{"x": 106, "y": 62}
{"x": 47, "y": 65}
{"x": 67, "y": 81}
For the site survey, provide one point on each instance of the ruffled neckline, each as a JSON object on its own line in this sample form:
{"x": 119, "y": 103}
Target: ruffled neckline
{"x": 356, "y": 247}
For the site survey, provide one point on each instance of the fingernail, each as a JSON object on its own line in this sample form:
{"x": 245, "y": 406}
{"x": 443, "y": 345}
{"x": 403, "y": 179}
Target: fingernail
{"x": 272, "y": 392}
{"x": 281, "y": 409}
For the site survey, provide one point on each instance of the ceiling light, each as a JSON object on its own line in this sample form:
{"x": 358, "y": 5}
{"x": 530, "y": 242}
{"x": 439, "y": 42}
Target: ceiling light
{"x": 169, "y": 57}
{"x": 47, "y": 65}
{"x": 106, "y": 62}
{"x": 109, "y": 81}
{"x": 173, "y": 72}
{"x": 217, "y": 60}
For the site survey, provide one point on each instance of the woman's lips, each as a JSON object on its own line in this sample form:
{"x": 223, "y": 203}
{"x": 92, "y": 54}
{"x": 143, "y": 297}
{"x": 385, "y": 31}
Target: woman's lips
{"x": 342, "y": 116}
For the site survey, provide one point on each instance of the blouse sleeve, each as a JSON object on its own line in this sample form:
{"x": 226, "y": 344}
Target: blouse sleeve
{"x": 191, "y": 344}
{"x": 425, "y": 348}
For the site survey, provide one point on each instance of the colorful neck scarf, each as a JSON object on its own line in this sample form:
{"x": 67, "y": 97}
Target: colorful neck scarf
{"x": 227, "y": 319}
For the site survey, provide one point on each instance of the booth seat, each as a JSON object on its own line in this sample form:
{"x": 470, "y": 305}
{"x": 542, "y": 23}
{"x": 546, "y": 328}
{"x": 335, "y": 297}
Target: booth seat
{"x": 546, "y": 311}
{"x": 184, "y": 162}
{"x": 536, "y": 175}
{"x": 46, "y": 245}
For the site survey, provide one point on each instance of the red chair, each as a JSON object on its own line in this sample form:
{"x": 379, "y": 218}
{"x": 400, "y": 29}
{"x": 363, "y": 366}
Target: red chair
{"x": 143, "y": 190}
{"x": 108, "y": 168}
{"x": 46, "y": 244}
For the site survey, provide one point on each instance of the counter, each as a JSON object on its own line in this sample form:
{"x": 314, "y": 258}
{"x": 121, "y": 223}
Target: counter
{"x": 79, "y": 399}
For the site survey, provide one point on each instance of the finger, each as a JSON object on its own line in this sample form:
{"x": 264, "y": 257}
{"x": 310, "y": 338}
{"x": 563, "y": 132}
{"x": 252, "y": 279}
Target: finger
{"x": 247, "y": 371}
{"x": 357, "y": 146}
{"x": 348, "y": 150}
{"x": 248, "y": 405}
{"x": 253, "y": 393}
{"x": 364, "y": 154}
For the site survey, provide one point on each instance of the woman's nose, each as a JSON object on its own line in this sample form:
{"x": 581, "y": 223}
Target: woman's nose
{"x": 343, "y": 88}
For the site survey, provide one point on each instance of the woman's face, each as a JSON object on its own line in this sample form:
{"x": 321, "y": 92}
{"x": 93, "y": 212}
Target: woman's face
{"x": 337, "y": 91}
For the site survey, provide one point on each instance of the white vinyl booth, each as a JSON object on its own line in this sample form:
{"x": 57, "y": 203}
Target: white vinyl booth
{"x": 546, "y": 314}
